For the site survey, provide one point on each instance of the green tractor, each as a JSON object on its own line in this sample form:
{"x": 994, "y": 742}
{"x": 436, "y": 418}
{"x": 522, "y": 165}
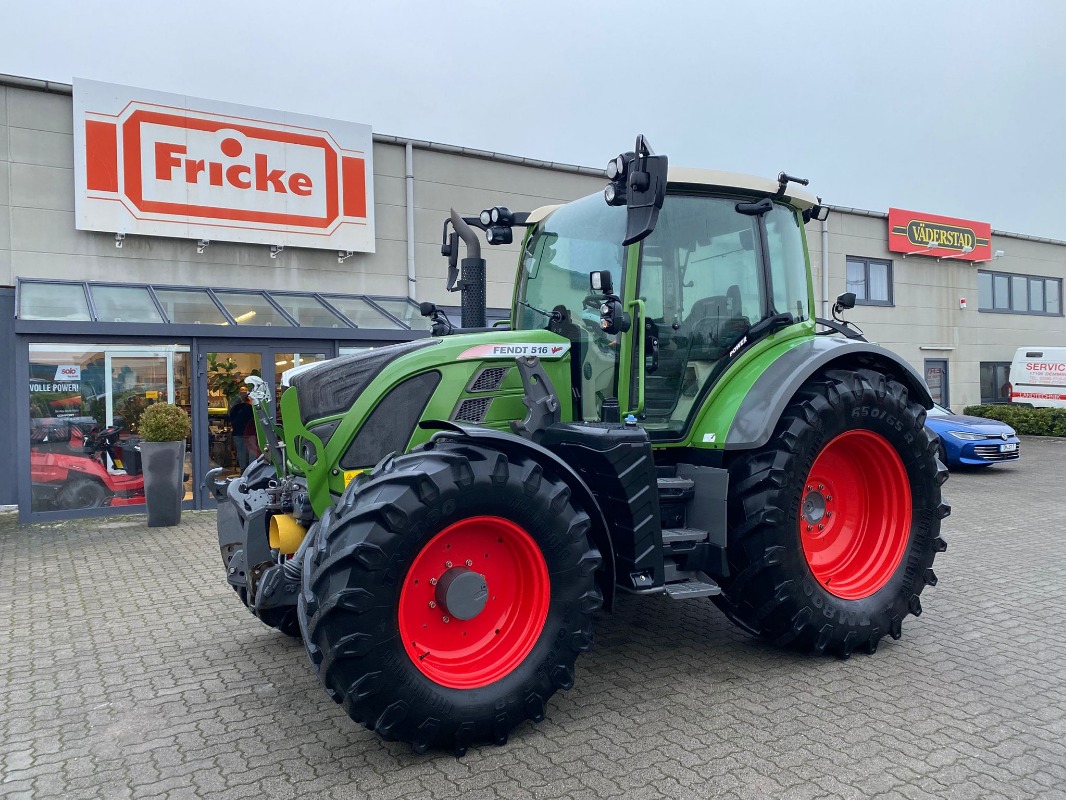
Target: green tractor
{"x": 440, "y": 520}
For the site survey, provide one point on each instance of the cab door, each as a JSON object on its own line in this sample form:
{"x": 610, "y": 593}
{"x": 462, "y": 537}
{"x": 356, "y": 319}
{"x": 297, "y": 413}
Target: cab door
{"x": 699, "y": 287}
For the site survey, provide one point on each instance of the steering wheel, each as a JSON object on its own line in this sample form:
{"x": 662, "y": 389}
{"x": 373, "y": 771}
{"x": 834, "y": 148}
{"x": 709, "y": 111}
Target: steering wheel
{"x": 592, "y": 301}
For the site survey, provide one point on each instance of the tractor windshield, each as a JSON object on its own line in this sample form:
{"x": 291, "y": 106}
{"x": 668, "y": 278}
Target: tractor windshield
{"x": 573, "y": 241}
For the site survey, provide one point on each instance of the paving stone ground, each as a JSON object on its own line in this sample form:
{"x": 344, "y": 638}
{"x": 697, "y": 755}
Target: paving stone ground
{"x": 128, "y": 669}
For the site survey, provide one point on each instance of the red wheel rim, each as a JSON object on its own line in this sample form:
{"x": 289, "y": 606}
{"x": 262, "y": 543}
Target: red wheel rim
{"x": 470, "y": 653}
{"x": 855, "y": 515}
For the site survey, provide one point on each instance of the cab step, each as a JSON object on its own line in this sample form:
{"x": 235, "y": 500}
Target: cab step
{"x": 692, "y": 588}
{"x": 673, "y": 486}
{"x": 676, "y": 536}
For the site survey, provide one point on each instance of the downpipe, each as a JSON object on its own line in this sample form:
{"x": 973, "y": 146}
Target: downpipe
{"x": 412, "y": 278}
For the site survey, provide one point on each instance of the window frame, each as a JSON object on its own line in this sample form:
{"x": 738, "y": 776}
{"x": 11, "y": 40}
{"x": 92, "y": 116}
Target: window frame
{"x": 1010, "y": 278}
{"x": 995, "y": 365}
{"x": 866, "y": 262}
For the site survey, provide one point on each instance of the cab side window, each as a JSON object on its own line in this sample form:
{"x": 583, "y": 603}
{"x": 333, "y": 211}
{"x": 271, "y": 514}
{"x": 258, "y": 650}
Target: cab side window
{"x": 702, "y": 288}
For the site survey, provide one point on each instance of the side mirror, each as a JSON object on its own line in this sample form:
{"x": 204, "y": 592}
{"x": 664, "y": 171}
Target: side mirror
{"x": 846, "y": 300}
{"x": 818, "y": 212}
{"x": 638, "y": 181}
{"x": 600, "y": 282}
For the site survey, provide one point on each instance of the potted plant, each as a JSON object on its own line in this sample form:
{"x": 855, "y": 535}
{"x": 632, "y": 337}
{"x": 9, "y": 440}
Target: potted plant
{"x": 164, "y": 427}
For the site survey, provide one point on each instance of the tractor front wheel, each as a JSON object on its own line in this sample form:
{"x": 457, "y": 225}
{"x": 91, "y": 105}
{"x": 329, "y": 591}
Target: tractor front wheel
{"x": 447, "y": 596}
{"x": 834, "y": 524}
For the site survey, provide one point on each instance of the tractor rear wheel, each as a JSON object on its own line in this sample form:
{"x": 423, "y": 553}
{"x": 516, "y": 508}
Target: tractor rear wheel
{"x": 447, "y": 596}
{"x": 834, "y": 524}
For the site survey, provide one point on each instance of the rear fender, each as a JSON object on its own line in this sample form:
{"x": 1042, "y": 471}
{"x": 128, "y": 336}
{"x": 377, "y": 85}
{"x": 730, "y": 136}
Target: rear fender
{"x": 508, "y": 443}
{"x": 758, "y": 413}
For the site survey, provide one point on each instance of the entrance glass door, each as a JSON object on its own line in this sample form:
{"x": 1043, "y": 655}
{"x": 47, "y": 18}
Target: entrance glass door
{"x": 230, "y": 427}
{"x": 137, "y": 378}
{"x": 936, "y": 377}
{"x": 223, "y": 424}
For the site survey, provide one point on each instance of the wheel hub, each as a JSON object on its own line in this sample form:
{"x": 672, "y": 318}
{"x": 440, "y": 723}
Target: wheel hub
{"x": 462, "y": 593}
{"x": 814, "y": 507}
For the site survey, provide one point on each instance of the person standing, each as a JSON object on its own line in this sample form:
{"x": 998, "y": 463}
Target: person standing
{"x": 242, "y": 428}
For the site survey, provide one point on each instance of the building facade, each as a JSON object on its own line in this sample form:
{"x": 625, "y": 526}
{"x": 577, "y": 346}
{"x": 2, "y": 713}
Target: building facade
{"x": 957, "y": 322}
{"x": 96, "y": 323}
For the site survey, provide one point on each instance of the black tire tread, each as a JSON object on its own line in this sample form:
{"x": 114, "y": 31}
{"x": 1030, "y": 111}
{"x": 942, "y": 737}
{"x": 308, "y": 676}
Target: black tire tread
{"x": 351, "y": 569}
{"x": 764, "y": 595}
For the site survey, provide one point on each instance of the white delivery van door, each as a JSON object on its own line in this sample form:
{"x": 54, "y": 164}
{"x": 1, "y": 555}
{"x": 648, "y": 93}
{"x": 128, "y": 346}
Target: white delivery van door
{"x": 1038, "y": 377}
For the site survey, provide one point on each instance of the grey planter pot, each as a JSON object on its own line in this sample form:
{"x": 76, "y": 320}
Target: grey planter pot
{"x": 163, "y": 465}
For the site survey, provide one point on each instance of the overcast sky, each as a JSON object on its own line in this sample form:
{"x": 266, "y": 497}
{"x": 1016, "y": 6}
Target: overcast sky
{"x": 954, "y": 108}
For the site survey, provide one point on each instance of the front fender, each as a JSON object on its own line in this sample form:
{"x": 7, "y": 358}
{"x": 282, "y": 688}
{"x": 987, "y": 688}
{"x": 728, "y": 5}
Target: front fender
{"x": 506, "y": 442}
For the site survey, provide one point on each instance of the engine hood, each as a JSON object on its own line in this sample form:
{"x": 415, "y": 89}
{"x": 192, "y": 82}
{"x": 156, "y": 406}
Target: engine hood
{"x": 331, "y": 387}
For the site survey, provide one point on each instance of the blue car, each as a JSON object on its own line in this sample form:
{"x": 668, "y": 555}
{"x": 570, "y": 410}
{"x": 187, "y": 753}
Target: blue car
{"x": 972, "y": 441}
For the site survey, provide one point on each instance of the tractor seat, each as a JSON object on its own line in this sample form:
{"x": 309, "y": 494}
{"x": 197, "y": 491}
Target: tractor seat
{"x": 714, "y": 325}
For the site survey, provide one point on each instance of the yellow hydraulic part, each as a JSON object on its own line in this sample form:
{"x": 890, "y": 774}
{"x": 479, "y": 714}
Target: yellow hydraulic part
{"x": 285, "y": 533}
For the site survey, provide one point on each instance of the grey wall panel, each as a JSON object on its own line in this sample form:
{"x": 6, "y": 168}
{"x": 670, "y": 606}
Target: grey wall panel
{"x": 7, "y": 278}
{"x": 494, "y": 176}
{"x": 32, "y": 186}
{"x": 38, "y": 229}
{"x": 8, "y": 386}
{"x": 388, "y": 160}
{"x": 391, "y": 190}
{"x": 39, "y": 111}
{"x": 41, "y": 147}
{"x": 390, "y": 222}
{"x": 5, "y": 182}
{"x": 471, "y": 199}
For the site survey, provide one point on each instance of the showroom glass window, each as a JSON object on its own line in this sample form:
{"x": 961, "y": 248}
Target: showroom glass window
{"x": 871, "y": 280}
{"x": 995, "y": 382}
{"x": 78, "y": 391}
{"x": 1008, "y": 293}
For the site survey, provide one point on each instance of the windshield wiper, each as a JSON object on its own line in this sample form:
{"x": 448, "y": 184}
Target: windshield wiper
{"x": 554, "y": 316}
{"x": 768, "y": 325}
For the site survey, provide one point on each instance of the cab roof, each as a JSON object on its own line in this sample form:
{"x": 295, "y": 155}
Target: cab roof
{"x": 678, "y": 177}
{"x": 691, "y": 176}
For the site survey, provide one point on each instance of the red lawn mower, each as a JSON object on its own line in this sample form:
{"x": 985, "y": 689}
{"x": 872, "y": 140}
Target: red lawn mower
{"x": 72, "y": 468}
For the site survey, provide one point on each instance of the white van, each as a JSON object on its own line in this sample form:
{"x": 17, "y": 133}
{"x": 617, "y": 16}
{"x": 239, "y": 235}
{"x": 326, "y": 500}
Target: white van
{"x": 1038, "y": 377}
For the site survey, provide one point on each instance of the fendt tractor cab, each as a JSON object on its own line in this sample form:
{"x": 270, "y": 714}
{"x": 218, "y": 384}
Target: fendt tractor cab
{"x": 441, "y": 519}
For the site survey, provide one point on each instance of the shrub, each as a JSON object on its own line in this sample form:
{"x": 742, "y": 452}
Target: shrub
{"x": 1028, "y": 421}
{"x": 164, "y": 422}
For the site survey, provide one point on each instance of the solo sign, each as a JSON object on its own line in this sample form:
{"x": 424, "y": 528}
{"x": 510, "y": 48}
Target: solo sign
{"x": 168, "y": 165}
{"x": 939, "y": 237}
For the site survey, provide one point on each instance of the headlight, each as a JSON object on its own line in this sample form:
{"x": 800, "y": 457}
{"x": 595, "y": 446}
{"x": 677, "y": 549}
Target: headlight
{"x": 969, "y": 437}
